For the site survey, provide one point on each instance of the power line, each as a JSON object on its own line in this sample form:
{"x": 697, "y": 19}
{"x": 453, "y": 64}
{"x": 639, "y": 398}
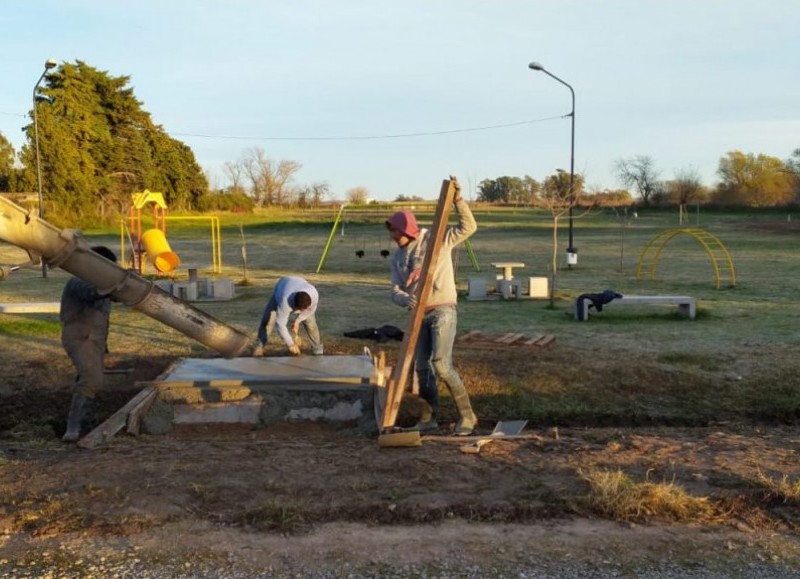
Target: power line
{"x": 372, "y": 137}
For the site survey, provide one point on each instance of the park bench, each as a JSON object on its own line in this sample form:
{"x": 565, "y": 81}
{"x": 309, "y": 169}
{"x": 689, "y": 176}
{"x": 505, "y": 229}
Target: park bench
{"x": 686, "y": 304}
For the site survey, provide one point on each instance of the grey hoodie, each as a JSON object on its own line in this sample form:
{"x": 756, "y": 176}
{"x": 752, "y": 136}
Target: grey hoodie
{"x": 407, "y": 263}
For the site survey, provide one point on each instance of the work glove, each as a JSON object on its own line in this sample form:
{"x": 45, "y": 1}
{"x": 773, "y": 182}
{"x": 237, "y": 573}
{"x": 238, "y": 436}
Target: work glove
{"x": 294, "y": 349}
{"x": 412, "y": 303}
{"x": 258, "y": 350}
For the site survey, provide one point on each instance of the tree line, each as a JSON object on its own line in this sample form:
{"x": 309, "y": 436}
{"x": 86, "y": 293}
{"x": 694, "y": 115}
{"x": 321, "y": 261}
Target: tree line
{"x": 745, "y": 180}
{"x": 97, "y": 146}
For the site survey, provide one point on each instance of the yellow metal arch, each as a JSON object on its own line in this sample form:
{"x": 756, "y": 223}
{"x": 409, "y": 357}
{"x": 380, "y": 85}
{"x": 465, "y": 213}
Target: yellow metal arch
{"x": 720, "y": 258}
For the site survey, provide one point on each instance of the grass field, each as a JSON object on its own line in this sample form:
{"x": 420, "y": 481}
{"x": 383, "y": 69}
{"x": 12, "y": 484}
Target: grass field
{"x": 637, "y": 416}
{"x": 625, "y": 366}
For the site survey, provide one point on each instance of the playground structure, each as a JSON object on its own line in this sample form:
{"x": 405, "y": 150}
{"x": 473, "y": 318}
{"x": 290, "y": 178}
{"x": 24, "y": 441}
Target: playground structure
{"x": 721, "y": 261}
{"x": 381, "y": 214}
{"x": 153, "y": 242}
{"x": 67, "y": 249}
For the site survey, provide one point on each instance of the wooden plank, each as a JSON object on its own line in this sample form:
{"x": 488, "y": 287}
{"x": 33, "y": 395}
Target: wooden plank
{"x": 397, "y": 382}
{"x": 469, "y": 336}
{"x": 532, "y": 341}
{"x": 509, "y": 341}
{"x": 502, "y": 339}
{"x": 546, "y": 341}
{"x": 117, "y": 421}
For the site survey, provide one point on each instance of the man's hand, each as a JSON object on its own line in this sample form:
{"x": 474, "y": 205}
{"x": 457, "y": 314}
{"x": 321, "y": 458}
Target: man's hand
{"x": 294, "y": 349}
{"x": 258, "y": 351}
{"x": 457, "y": 185}
{"x": 412, "y": 303}
{"x": 295, "y": 327}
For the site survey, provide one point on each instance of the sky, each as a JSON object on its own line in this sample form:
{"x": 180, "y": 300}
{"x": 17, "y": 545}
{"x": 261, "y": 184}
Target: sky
{"x": 395, "y": 95}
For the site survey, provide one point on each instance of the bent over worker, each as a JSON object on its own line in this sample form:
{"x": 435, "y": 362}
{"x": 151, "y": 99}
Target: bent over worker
{"x": 85, "y": 320}
{"x": 292, "y": 295}
{"x": 434, "y": 350}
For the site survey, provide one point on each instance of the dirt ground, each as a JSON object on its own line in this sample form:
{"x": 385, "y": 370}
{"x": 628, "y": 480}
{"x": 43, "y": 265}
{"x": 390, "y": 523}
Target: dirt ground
{"x": 308, "y": 500}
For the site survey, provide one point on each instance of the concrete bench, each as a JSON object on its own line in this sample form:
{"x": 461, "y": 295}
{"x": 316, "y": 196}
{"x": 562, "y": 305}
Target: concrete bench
{"x": 686, "y": 304}
{"x": 30, "y": 308}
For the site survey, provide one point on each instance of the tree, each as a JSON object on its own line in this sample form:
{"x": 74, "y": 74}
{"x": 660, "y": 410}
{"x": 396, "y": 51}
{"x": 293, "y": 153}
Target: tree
{"x": 753, "y": 181}
{"x": 7, "y": 158}
{"x": 312, "y": 195}
{"x": 508, "y": 190}
{"x": 408, "y": 199}
{"x": 639, "y": 173}
{"x": 558, "y": 198}
{"x": 684, "y": 189}
{"x": 269, "y": 181}
{"x": 97, "y": 145}
{"x": 357, "y": 195}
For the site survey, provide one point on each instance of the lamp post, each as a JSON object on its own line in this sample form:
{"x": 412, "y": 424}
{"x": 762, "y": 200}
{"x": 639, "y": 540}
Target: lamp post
{"x": 572, "y": 251}
{"x": 47, "y": 66}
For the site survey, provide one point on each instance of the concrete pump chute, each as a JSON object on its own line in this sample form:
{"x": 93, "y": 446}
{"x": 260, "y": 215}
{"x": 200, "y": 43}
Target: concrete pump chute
{"x": 67, "y": 249}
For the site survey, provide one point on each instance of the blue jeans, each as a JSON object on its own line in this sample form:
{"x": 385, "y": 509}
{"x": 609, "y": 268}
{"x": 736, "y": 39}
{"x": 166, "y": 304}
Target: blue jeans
{"x": 434, "y": 355}
{"x": 267, "y": 326}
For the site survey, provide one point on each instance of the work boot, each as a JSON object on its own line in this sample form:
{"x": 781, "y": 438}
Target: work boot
{"x": 427, "y": 417}
{"x": 77, "y": 410}
{"x": 468, "y": 421}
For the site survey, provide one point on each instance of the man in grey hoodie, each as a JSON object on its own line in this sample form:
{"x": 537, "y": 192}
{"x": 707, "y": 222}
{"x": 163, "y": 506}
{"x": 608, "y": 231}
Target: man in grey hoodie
{"x": 434, "y": 351}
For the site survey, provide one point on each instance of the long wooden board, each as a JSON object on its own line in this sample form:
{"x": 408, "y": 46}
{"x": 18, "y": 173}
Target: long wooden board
{"x": 397, "y": 382}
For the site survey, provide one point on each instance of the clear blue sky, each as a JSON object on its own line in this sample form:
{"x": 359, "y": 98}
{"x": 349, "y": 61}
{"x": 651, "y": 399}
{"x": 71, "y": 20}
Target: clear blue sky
{"x": 683, "y": 81}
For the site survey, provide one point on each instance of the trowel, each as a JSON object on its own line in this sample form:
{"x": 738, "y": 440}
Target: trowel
{"x": 502, "y": 429}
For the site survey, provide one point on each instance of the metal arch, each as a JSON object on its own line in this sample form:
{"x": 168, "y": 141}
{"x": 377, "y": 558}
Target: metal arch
{"x": 648, "y": 259}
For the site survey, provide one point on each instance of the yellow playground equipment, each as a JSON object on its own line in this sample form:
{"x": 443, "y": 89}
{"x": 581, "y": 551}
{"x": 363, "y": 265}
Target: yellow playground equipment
{"x": 153, "y": 242}
{"x": 721, "y": 260}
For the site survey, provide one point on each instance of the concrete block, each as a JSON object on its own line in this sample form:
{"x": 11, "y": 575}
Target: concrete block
{"x": 476, "y": 287}
{"x": 538, "y": 287}
{"x": 222, "y": 289}
{"x": 510, "y": 288}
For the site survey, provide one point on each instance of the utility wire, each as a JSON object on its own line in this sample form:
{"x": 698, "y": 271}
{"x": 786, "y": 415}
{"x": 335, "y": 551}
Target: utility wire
{"x": 372, "y": 137}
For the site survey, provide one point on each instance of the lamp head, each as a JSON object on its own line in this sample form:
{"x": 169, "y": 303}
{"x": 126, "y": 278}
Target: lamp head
{"x": 51, "y": 63}
{"x": 535, "y": 66}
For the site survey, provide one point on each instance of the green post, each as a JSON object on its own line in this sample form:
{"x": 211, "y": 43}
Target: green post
{"x": 330, "y": 239}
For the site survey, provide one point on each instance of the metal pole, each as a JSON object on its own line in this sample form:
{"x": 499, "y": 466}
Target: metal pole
{"x": 47, "y": 66}
{"x": 572, "y": 251}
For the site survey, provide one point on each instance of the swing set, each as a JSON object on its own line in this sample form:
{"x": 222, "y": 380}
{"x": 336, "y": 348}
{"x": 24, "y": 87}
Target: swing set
{"x": 361, "y": 248}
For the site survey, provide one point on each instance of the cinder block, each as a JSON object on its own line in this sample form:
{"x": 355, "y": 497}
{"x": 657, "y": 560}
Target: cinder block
{"x": 538, "y": 287}
{"x": 185, "y": 291}
{"x": 222, "y": 289}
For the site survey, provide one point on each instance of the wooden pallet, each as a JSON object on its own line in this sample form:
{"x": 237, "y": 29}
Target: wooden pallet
{"x": 512, "y": 340}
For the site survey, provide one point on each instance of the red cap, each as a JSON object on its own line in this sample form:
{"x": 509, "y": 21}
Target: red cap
{"x": 404, "y": 222}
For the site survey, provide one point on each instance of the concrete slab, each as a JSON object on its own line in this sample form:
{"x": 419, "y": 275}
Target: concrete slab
{"x": 244, "y": 371}
{"x": 339, "y": 390}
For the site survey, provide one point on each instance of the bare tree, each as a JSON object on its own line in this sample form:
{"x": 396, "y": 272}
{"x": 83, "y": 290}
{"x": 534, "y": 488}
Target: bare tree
{"x": 269, "y": 181}
{"x": 234, "y": 171}
{"x": 683, "y": 189}
{"x": 639, "y": 173}
{"x": 558, "y": 199}
{"x": 357, "y": 195}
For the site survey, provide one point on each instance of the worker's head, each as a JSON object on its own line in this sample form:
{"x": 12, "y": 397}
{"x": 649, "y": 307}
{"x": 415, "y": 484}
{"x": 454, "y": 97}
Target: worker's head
{"x": 302, "y": 301}
{"x": 402, "y": 227}
{"x": 105, "y": 252}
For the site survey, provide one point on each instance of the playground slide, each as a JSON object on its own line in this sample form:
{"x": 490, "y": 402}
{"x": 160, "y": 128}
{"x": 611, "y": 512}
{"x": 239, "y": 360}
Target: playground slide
{"x": 67, "y": 249}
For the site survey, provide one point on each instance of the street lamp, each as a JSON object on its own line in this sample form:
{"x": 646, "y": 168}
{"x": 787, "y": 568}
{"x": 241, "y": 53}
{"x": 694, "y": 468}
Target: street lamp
{"x": 572, "y": 251}
{"x": 47, "y": 66}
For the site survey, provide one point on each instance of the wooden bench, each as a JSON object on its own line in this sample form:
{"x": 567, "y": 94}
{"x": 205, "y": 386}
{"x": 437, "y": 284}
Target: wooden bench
{"x": 686, "y": 304}
{"x": 30, "y": 308}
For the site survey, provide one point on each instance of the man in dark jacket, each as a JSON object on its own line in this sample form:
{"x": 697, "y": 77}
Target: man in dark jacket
{"x": 84, "y": 317}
